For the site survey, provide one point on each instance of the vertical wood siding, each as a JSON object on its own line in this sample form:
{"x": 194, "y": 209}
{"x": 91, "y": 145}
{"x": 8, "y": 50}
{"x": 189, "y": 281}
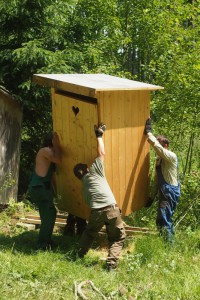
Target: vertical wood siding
{"x": 74, "y": 121}
{"x": 10, "y": 130}
{"x": 127, "y": 153}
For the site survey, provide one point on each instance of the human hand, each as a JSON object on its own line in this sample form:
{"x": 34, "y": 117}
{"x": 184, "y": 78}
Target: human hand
{"x": 99, "y": 130}
{"x": 55, "y": 139}
{"x": 147, "y": 126}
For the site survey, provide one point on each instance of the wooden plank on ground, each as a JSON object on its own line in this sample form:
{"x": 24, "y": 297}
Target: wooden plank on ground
{"x": 61, "y": 221}
{"x": 36, "y": 220}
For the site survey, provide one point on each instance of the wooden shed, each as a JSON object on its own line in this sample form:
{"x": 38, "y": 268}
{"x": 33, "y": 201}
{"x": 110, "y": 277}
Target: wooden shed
{"x": 10, "y": 137}
{"x": 78, "y": 102}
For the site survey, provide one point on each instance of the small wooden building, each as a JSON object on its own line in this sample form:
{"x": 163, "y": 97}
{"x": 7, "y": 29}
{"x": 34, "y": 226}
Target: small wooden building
{"x": 78, "y": 102}
{"x": 10, "y": 137}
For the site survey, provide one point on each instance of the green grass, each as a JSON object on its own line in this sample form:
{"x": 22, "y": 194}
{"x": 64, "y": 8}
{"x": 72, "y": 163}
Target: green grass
{"x": 148, "y": 269}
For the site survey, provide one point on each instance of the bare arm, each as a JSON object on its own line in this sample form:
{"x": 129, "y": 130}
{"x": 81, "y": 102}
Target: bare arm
{"x": 48, "y": 155}
{"x": 160, "y": 150}
{"x": 100, "y": 148}
{"x": 57, "y": 153}
{"x": 52, "y": 154}
{"x": 99, "y": 131}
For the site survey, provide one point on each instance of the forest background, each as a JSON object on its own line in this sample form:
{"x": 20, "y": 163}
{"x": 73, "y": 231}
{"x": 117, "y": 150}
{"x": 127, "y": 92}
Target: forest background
{"x": 152, "y": 41}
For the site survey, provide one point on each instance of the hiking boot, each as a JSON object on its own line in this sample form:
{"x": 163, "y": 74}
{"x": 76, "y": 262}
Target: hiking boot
{"x": 46, "y": 246}
{"x": 110, "y": 268}
{"x": 82, "y": 252}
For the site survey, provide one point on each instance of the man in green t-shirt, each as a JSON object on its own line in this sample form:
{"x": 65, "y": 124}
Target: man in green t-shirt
{"x": 101, "y": 201}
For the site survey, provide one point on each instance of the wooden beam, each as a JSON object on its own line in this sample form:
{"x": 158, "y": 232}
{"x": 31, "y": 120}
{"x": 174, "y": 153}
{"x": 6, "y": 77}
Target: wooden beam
{"x": 61, "y": 221}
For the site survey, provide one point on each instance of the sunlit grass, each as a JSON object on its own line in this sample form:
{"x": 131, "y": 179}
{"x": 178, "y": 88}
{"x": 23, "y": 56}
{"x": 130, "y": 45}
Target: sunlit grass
{"x": 148, "y": 268}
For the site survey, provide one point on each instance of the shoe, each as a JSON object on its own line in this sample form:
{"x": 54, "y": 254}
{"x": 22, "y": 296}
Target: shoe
{"x": 52, "y": 245}
{"x": 82, "y": 252}
{"x": 69, "y": 231}
{"x": 41, "y": 247}
{"x": 111, "y": 268}
{"x": 46, "y": 246}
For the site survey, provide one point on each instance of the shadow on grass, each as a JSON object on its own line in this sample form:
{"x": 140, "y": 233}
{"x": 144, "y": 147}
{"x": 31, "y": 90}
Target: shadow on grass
{"x": 26, "y": 243}
{"x": 67, "y": 245}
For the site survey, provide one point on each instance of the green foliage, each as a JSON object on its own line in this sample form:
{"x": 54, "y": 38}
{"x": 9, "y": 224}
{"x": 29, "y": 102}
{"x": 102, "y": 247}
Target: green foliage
{"x": 153, "y": 41}
{"x": 174, "y": 64}
{"x": 17, "y": 208}
{"x": 14, "y": 207}
{"x": 188, "y": 210}
{"x": 154, "y": 268}
{"x": 8, "y": 182}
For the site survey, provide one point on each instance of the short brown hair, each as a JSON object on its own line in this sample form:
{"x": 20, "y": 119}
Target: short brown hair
{"x": 163, "y": 140}
{"x": 47, "y": 142}
{"x": 79, "y": 169}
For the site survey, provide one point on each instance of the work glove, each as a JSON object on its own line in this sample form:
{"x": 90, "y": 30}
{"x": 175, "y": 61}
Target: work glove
{"x": 147, "y": 126}
{"x": 149, "y": 202}
{"x": 99, "y": 130}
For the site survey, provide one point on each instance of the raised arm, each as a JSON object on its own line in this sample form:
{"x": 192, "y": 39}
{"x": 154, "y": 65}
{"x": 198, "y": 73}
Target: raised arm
{"x": 160, "y": 149}
{"x": 99, "y": 130}
{"x": 57, "y": 153}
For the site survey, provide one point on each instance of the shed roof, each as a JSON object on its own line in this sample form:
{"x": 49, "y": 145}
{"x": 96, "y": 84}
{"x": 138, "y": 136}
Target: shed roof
{"x": 89, "y": 84}
{"x": 10, "y": 98}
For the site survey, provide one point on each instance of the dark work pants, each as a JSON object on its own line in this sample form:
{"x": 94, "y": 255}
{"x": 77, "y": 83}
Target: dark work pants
{"x": 111, "y": 218}
{"x": 43, "y": 199}
{"x": 75, "y": 225}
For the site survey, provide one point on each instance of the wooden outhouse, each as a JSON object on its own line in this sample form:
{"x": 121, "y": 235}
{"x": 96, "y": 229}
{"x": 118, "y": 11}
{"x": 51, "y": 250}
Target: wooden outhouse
{"x": 10, "y": 137}
{"x": 78, "y": 102}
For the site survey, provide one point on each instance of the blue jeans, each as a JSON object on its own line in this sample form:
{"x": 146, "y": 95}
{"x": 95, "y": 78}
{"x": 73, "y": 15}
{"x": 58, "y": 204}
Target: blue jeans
{"x": 166, "y": 208}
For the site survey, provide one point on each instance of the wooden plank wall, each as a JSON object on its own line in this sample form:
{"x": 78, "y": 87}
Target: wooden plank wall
{"x": 78, "y": 141}
{"x": 10, "y": 137}
{"x": 127, "y": 152}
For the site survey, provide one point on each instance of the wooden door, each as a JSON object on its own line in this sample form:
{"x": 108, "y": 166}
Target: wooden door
{"x": 73, "y": 120}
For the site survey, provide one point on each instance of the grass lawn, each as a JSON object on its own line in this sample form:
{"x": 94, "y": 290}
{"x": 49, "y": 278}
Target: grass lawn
{"x": 148, "y": 269}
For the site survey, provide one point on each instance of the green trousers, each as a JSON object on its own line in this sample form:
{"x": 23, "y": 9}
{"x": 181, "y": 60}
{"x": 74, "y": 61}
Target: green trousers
{"x": 111, "y": 218}
{"x": 43, "y": 199}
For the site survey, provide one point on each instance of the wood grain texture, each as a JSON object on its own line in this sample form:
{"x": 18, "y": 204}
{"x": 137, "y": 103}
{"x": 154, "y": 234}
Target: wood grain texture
{"x": 78, "y": 145}
{"x": 10, "y": 140}
{"x": 123, "y": 105}
{"x": 127, "y": 161}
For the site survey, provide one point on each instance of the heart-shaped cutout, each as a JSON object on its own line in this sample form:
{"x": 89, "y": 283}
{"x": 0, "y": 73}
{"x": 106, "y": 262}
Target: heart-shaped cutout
{"x": 75, "y": 110}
